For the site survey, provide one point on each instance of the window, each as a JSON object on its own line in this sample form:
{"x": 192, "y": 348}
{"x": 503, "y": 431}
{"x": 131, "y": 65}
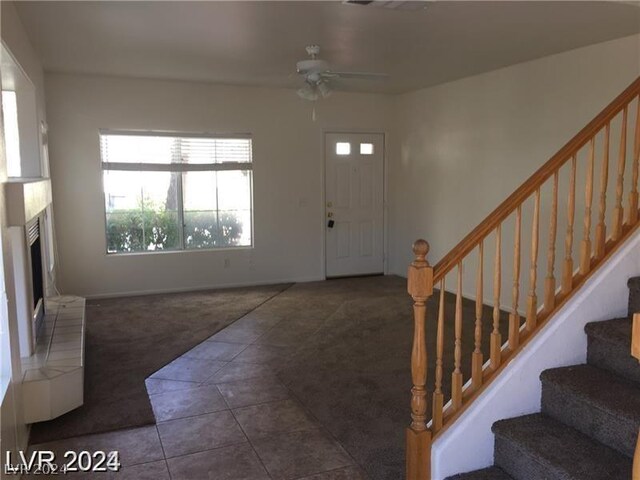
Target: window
{"x": 366, "y": 149}
{"x": 343, "y": 148}
{"x": 11, "y": 135}
{"x": 167, "y": 192}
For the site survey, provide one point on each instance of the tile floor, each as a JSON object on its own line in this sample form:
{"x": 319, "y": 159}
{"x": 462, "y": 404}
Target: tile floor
{"x": 223, "y": 414}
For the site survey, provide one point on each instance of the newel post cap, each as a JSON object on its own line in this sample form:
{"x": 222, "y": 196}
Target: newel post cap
{"x": 421, "y": 249}
{"x": 420, "y": 275}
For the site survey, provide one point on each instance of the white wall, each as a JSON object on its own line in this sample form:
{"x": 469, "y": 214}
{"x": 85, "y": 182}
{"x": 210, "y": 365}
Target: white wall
{"x": 13, "y": 431}
{"x": 288, "y": 166}
{"x": 464, "y": 146}
{"x": 15, "y": 38}
{"x": 468, "y": 444}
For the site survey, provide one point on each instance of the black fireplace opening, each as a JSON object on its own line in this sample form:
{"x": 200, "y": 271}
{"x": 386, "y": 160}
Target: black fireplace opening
{"x": 37, "y": 279}
{"x": 36, "y": 272}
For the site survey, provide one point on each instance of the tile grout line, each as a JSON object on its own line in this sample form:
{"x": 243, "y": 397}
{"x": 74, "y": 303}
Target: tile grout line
{"x": 234, "y": 444}
{"x": 245, "y": 433}
{"x": 234, "y": 321}
{"x": 323, "y": 428}
{"x": 164, "y": 454}
{"x": 316, "y": 423}
{"x": 228, "y": 408}
{"x": 251, "y": 445}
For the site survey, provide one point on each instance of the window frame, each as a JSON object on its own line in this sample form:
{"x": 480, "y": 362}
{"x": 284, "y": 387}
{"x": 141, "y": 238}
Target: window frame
{"x": 179, "y": 168}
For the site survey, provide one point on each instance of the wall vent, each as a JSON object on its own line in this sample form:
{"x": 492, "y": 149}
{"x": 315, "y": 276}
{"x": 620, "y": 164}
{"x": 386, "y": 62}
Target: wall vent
{"x": 33, "y": 232}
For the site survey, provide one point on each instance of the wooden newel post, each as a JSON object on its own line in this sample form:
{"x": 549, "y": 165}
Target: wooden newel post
{"x": 420, "y": 287}
{"x": 635, "y": 352}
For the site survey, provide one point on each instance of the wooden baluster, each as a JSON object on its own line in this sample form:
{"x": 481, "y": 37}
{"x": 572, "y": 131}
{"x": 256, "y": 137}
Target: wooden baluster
{"x": 476, "y": 357}
{"x": 567, "y": 271}
{"x": 633, "y": 196}
{"x": 438, "y": 397}
{"x": 456, "y": 376}
{"x": 418, "y": 437}
{"x": 618, "y": 213}
{"x": 496, "y": 338}
{"x": 532, "y": 300}
{"x": 601, "y": 229}
{"x": 585, "y": 246}
{"x": 514, "y": 316}
{"x": 550, "y": 281}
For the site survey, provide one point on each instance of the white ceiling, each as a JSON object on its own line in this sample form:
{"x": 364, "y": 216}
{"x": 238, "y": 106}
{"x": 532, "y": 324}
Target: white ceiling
{"x": 258, "y": 43}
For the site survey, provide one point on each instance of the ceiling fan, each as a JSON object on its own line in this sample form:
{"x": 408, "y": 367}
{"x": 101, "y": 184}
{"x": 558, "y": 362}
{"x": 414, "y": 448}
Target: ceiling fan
{"x": 317, "y": 75}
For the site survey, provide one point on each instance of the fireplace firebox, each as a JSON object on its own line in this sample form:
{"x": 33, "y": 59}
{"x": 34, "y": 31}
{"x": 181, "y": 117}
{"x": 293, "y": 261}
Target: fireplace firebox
{"x": 37, "y": 279}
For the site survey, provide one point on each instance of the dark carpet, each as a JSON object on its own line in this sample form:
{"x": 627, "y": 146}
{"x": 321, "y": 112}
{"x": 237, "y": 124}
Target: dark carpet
{"x": 128, "y": 339}
{"x": 353, "y": 374}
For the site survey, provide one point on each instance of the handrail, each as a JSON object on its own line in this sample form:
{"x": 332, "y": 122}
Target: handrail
{"x": 491, "y": 355}
{"x": 468, "y": 243}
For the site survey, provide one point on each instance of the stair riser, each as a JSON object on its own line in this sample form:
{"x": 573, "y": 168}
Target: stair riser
{"x": 491, "y": 473}
{"x": 634, "y": 295}
{"x": 608, "y": 356}
{"x": 519, "y": 465}
{"x": 608, "y": 429}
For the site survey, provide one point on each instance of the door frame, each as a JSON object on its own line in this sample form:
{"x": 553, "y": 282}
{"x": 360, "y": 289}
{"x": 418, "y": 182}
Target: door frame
{"x": 385, "y": 185}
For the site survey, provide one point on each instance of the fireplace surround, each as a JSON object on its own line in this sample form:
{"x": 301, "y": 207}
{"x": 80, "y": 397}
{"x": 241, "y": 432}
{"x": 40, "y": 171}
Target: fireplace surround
{"x": 50, "y": 327}
{"x": 28, "y": 202}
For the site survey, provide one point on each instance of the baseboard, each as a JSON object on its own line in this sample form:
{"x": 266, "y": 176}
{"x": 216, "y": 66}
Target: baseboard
{"x": 217, "y": 286}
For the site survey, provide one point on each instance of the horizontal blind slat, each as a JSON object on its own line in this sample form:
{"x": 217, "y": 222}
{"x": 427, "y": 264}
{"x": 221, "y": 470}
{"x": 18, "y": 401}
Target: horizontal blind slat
{"x": 147, "y": 149}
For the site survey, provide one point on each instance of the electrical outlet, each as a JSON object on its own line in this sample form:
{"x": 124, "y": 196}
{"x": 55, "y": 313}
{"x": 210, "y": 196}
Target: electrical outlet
{"x": 227, "y": 263}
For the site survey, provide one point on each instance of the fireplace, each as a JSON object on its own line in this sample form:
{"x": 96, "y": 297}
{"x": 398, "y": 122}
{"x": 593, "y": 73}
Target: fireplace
{"x": 28, "y": 212}
{"x": 51, "y": 341}
{"x": 37, "y": 278}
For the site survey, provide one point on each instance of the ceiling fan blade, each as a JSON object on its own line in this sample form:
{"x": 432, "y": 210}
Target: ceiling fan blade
{"x": 357, "y": 75}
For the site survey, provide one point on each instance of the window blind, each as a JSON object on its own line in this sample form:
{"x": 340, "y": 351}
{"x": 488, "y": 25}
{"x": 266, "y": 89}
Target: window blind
{"x": 151, "y": 149}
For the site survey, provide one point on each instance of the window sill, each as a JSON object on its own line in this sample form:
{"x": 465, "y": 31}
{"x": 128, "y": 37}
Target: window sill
{"x": 169, "y": 252}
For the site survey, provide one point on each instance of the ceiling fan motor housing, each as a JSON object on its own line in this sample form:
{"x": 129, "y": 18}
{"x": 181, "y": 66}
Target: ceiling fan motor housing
{"x": 304, "y": 67}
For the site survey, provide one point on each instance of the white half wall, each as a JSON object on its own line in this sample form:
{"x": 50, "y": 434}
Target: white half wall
{"x": 468, "y": 444}
{"x": 288, "y": 178}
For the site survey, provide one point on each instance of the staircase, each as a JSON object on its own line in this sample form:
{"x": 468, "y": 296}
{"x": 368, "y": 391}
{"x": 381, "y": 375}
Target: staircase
{"x": 590, "y": 415}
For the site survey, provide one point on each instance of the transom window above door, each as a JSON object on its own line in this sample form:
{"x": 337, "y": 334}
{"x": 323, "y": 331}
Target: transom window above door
{"x": 168, "y": 192}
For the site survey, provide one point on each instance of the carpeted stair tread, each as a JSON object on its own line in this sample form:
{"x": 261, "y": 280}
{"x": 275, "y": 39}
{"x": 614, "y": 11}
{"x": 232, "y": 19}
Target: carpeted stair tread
{"x": 616, "y": 331}
{"x": 609, "y": 347}
{"x": 596, "y": 402}
{"x": 537, "y": 446}
{"x": 491, "y": 473}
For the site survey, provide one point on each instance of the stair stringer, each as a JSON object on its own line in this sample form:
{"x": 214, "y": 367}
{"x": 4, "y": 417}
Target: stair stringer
{"x": 468, "y": 443}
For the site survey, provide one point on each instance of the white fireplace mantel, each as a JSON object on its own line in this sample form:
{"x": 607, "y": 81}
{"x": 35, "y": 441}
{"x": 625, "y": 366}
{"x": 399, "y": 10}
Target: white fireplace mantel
{"x": 26, "y": 199}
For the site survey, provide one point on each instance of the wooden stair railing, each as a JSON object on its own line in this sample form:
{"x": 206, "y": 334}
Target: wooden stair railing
{"x": 580, "y": 154}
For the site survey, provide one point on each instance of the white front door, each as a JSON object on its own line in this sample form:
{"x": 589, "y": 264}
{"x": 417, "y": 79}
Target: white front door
{"x": 354, "y": 197}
